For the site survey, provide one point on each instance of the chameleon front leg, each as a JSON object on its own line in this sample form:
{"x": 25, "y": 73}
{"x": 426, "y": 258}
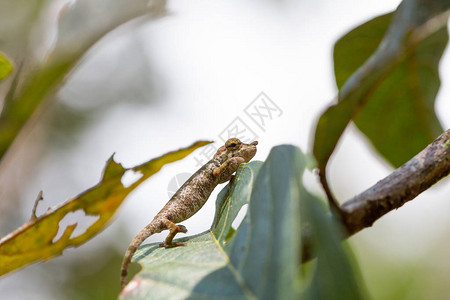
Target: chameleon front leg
{"x": 174, "y": 229}
{"x": 226, "y": 170}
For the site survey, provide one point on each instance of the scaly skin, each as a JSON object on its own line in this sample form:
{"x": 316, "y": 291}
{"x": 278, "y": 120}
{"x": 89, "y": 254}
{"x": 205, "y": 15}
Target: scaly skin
{"x": 192, "y": 195}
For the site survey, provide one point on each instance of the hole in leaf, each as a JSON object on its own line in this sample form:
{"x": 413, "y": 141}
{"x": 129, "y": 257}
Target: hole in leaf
{"x": 240, "y": 216}
{"x": 130, "y": 177}
{"x": 77, "y": 218}
{"x": 237, "y": 222}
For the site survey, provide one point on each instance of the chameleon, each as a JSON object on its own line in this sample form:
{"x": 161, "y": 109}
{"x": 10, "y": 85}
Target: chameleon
{"x": 191, "y": 196}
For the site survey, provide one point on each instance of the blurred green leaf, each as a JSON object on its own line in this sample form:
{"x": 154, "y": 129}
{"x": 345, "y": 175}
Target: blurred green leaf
{"x": 258, "y": 260}
{"x": 356, "y": 46}
{"x": 334, "y": 277}
{"x": 398, "y": 82}
{"x": 34, "y": 240}
{"x": 5, "y": 67}
{"x": 81, "y": 25}
{"x": 401, "y": 109}
{"x": 92, "y": 276}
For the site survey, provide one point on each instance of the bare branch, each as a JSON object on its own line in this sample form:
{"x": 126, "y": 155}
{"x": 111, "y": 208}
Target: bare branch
{"x": 401, "y": 186}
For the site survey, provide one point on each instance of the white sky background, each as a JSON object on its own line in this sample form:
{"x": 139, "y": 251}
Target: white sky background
{"x": 213, "y": 58}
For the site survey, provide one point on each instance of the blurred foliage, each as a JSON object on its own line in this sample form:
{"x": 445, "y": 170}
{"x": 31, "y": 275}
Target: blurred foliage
{"x": 94, "y": 276}
{"x": 19, "y": 20}
{"x": 391, "y": 95}
{"x": 79, "y": 25}
{"x": 112, "y": 77}
{"x": 47, "y": 40}
{"x": 402, "y": 104}
{"x": 5, "y": 67}
{"x": 65, "y": 124}
{"x": 88, "y": 273}
{"x": 34, "y": 241}
{"x": 260, "y": 259}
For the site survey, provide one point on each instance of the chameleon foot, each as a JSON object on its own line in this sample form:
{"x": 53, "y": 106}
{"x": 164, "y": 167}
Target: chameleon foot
{"x": 174, "y": 229}
{"x": 173, "y": 244}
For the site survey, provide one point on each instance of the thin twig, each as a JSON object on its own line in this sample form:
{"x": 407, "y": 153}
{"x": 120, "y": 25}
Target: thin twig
{"x": 36, "y": 202}
{"x": 334, "y": 205}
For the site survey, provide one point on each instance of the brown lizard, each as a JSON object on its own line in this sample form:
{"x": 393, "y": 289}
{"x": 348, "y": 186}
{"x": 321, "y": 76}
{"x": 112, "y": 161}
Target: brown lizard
{"x": 192, "y": 195}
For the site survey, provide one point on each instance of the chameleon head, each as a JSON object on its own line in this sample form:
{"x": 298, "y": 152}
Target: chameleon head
{"x": 235, "y": 148}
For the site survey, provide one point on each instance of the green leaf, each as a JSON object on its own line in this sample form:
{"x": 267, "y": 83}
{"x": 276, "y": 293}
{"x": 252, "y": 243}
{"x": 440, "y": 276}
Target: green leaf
{"x": 403, "y": 103}
{"x": 74, "y": 39}
{"x": 5, "y": 67}
{"x": 34, "y": 241}
{"x": 194, "y": 270}
{"x": 391, "y": 95}
{"x": 334, "y": 277}
{"x": 258, "y": 260}
{"x": 355, "y": 47}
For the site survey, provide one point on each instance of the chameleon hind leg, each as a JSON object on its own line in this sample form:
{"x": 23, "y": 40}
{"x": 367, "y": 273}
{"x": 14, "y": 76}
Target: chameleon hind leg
{"x": 174, "y": 229}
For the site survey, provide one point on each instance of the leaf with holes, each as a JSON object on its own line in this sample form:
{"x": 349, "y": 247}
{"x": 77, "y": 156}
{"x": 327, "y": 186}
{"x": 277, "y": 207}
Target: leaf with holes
{"x": 34, "y": 240}
{"x": 261, "y": 258}
{"x": 388, "y": 84}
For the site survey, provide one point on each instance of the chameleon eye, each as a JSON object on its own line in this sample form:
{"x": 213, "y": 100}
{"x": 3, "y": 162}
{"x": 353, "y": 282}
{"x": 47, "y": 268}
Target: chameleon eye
{"x": 232, "y": 143}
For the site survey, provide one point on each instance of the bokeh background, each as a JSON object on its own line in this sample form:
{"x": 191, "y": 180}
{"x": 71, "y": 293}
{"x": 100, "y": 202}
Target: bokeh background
{"x": 159, "y": 85}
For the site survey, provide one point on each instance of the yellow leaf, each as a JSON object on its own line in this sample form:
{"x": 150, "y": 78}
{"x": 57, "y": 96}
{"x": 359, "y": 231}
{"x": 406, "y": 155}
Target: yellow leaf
{"x": 34, "y": 240}
{"x": 5, "y": 67}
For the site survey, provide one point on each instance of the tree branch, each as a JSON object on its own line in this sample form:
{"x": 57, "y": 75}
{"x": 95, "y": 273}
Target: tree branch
{"x": 401, "y": 186}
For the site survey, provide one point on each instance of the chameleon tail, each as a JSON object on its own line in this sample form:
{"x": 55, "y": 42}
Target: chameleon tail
{"x": 149, "y": 230}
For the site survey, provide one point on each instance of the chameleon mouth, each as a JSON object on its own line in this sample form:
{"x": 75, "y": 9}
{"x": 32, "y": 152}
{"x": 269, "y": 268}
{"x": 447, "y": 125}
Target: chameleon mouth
{"x": 249, "y": 152}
